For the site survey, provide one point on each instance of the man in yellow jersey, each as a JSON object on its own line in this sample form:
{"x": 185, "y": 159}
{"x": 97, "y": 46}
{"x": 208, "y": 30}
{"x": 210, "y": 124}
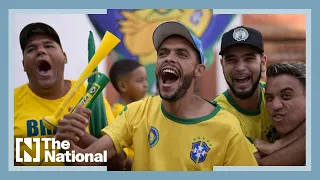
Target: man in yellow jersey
{"x": 177, "y": 130}
{"x": 43, "y": 61}
{"x": 286, "y": 102}
{"x": 243, "y": 62}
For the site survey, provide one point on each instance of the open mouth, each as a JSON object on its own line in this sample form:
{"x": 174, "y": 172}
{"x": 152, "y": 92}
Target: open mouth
{"x": 242, "y": 79}
{"x": 169, "y": 76}
{"x": 43, "y": 66}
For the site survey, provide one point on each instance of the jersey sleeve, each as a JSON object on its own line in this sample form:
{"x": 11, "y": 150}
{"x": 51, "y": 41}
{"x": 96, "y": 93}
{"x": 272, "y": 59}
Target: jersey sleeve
{"x": 251, "y": 146}
{"x": 121, "y": 129}
{"x": 239, "y": 153}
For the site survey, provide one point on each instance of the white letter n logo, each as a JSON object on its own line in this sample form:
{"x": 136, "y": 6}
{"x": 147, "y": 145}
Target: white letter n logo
{"x": 26, "y": 156}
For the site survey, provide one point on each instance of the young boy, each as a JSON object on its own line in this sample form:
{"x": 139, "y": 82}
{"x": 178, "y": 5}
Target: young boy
{"x": 129, "y": 78}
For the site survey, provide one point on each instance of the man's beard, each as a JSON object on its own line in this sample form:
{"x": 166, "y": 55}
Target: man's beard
{"x": 181, "y": 91}
{"x": 248, "y": 94}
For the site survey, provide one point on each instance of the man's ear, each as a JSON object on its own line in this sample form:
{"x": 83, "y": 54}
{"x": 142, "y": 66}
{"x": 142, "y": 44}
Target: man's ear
{"x": 199, "y": 71}
{"x": 221, "y": 62}
{"x": 66, "y": 59}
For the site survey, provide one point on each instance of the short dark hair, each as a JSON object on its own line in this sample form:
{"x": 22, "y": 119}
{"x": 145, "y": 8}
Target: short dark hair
{"x": 122, "y": 68}
{"x": 295, "y": 69}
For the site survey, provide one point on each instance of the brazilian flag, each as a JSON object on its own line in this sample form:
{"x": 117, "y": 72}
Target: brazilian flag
{"x": 98, "y": 119}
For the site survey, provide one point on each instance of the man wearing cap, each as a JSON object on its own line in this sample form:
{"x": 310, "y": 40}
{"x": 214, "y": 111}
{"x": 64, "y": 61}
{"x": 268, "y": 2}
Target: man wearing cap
{"x": 43, "y": 61}
{"x": 177, "y": 130}
{"x": 243, "y": 62}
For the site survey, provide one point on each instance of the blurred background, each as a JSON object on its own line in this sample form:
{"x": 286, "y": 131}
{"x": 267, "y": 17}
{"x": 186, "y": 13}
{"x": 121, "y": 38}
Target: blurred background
{"x": 284, "y": 37}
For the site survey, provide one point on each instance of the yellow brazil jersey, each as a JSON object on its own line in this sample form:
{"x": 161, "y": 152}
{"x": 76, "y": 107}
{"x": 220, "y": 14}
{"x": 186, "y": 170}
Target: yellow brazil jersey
{"x": 28, "y": 112}
{"x": 163, "y": 141}
{"x": 254, "y": 124}
{"x": 116, "y": 110}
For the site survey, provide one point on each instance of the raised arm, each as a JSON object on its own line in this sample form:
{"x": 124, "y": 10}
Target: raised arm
{"x": 269, "y": 148}
{"x": 73, "y": 128}
{"x": 102, "y": 144}
{"x": 292, "y": 155}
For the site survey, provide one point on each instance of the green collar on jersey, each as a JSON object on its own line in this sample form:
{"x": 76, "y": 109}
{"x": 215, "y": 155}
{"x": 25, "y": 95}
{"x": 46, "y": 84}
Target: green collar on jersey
{"x": 240, "y": 109}
{"x": 191, "y": 120}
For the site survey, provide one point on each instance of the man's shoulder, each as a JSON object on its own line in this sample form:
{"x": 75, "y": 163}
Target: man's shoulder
{"x": 220, "y": 97}
{"x": 146, "y": 101}
{"x": 21, "y": 90}
{"x": 135, "y": 111}
{"x": 225, "y": 115}
{"x": 226, "y": 121}
{"x": 224, "y": 100}
{"x": 21, "y": 87}
{"x": 143, "y": 105}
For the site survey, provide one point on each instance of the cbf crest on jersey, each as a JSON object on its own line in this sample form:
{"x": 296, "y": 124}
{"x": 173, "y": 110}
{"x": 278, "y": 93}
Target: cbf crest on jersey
{"x": 199, "y": 151}
{"x": 240, "y": 34}
{"x": 153, "y": 136}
